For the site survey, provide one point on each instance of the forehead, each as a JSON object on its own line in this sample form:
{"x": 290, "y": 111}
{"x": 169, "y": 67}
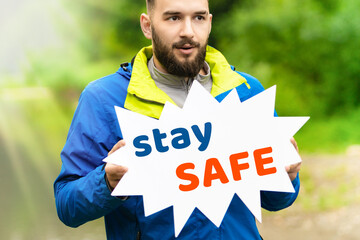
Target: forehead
{"x": 162, "y": 6}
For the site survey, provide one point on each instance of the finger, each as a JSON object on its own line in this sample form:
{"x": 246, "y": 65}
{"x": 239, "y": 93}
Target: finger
{"x": 294, "y": 143}
{"x": 293, "y": 168}
{"x": 114, "y": 173}
{"x": 120, "y": 171}
{"x": 117, "y": 146}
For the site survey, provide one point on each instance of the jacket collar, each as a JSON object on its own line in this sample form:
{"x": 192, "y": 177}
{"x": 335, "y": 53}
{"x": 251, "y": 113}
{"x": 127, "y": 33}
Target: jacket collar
{"x": 143, "y": 86}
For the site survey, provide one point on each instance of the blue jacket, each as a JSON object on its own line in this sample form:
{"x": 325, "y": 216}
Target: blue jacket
{"x": 80, "y": 190}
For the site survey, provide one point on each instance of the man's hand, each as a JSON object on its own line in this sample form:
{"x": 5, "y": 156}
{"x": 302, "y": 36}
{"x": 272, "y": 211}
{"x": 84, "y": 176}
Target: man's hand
{"x": 292, "y": 170}
{"x": 115, "y": 172}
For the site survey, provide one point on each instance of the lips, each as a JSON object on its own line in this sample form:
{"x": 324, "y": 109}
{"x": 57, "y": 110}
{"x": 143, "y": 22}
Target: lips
{"x": 186, "y": 44}
{"x": 186, "y": 48}
{"x": 186, "y": 51}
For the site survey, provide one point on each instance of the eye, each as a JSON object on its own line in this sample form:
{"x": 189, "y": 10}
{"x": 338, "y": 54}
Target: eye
{"x": 173, "y": 18}
{"x": 200, "y": 18}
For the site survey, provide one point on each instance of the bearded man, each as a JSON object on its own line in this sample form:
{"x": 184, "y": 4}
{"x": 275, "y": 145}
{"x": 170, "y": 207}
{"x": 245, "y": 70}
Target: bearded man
{"x": 179, "y": 55}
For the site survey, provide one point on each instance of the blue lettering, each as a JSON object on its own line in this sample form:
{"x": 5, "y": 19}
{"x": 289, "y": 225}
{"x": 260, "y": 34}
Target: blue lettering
{"x": 158, "y": 137}
{"x": 181, "y": 141}
{"x": 204, "y": 139}
{"x": 139, "y": 143}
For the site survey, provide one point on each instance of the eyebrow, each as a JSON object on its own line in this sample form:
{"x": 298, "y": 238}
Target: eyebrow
{"x": 202, "y": 12}
{"x": 178, "y": 13}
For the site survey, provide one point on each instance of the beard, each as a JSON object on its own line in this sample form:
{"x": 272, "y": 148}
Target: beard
{"x": 165, "y": 55}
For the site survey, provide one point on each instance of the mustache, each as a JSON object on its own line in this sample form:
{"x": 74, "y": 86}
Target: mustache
{"x": 184, "y": 41}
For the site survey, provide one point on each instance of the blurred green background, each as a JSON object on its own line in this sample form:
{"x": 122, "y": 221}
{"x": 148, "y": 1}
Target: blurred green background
{"x": 51, "y": 49}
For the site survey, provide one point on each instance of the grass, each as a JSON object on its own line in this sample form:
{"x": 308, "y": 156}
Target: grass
{"x": 329, "y": 186}
{"x": 331, "y": 135}
{"x": 327, "y": 189}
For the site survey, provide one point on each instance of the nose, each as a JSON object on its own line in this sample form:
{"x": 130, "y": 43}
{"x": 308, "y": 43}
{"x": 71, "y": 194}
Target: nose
{"x": 187, "y": 29}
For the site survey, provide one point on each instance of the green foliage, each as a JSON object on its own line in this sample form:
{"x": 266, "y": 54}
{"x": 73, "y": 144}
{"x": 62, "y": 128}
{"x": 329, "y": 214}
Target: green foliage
{"x": 309, "y": 46}
{"x": 66, "y": 74}
{"x": 109, "y": 28}
{"x": 332, "y": 135}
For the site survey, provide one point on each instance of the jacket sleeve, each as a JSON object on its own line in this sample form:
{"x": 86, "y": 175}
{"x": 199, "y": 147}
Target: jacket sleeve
{"x": 272, "y": 201}
{"x": 81, "y": 193}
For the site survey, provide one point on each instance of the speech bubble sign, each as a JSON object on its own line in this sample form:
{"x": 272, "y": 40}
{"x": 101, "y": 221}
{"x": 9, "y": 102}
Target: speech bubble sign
{"x": 201, "y": 155}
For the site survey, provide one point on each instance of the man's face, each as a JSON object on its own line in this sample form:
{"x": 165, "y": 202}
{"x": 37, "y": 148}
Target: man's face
{"x": 180, "y": 30}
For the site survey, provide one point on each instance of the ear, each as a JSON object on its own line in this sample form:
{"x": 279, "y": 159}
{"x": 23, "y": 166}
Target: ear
{"x": 145, "y": 24}
{"x": 210, "y": 18}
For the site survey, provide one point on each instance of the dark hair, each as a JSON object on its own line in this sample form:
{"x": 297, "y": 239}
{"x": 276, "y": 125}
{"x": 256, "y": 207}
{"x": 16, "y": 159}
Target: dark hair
{"x": 150, "y": 4}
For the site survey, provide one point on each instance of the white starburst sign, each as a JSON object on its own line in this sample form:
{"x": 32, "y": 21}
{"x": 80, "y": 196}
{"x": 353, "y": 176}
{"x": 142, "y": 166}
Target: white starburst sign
{"x": 201, "y": 155}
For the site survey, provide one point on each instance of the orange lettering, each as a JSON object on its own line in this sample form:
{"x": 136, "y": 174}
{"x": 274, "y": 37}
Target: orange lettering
{"x": 236, "y": 167}
{"x": 260, "y": 161}
{"x": 219, "y": 172}
{"x": 194, "y": 180}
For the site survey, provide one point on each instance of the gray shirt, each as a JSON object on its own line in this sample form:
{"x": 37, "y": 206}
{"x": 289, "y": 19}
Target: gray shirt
{"x": 177, "y": 87}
